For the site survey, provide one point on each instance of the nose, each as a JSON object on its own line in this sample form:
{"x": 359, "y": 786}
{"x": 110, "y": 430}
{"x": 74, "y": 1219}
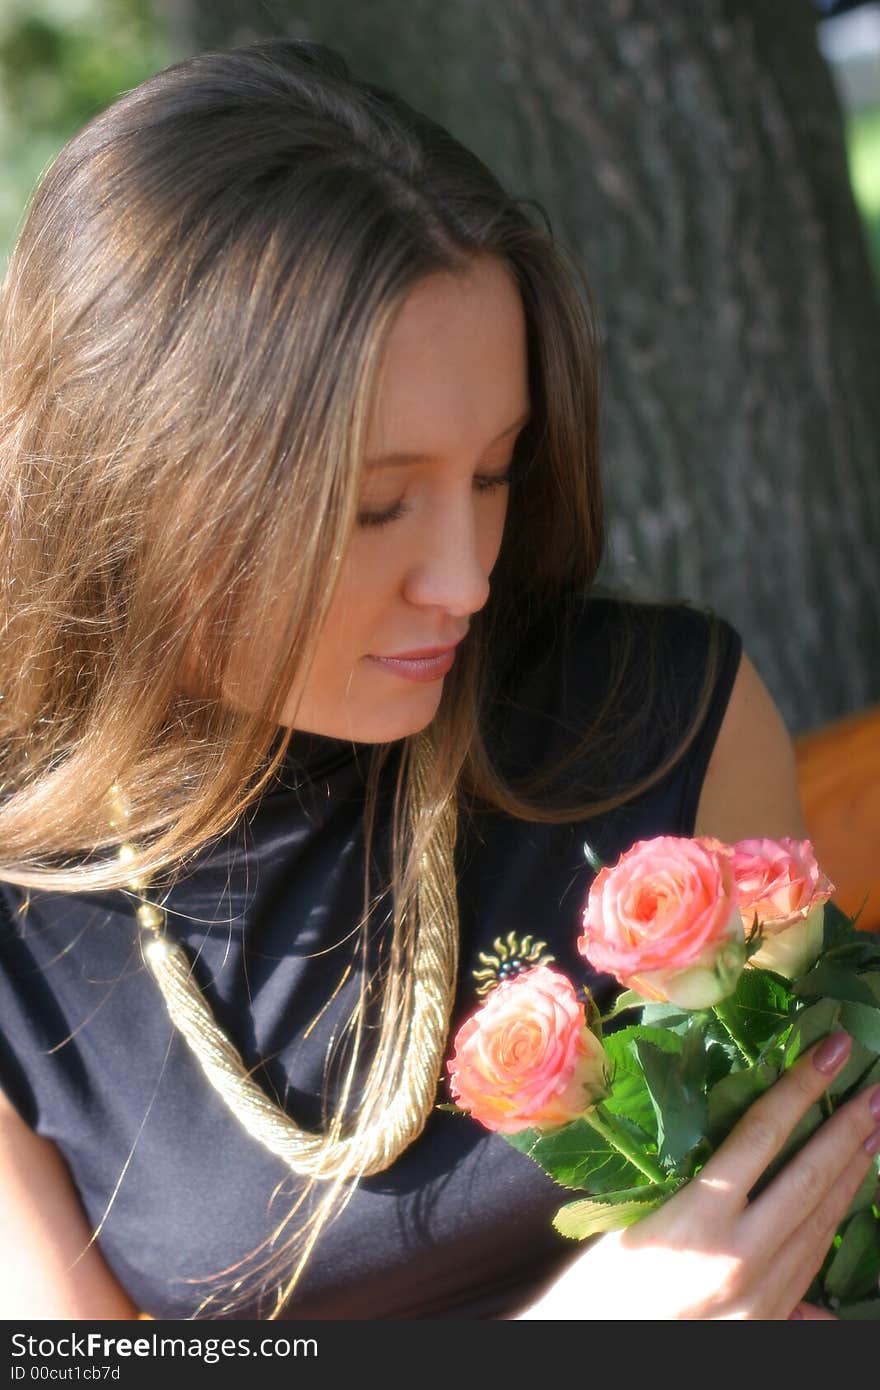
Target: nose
{"x": 456, "y": 550}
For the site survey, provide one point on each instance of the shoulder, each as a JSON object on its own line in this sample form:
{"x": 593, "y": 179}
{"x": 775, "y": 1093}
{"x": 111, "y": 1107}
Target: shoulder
{"x": 611, "y": 681}
{"x": 751, "y": 783}
{"x": 628, "y": 674}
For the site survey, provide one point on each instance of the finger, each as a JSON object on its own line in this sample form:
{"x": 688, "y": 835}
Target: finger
{"x": 812, "y": 1172}
{"x": 756, "y": 1139}
{"x": 812, "y": 1313}
{"x": 799, "y": 1259}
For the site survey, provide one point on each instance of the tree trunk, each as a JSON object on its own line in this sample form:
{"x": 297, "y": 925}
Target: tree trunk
{"x": 693, "y": 158}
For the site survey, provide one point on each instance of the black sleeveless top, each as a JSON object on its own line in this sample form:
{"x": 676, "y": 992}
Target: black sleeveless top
{"x": 459, "y": 1226}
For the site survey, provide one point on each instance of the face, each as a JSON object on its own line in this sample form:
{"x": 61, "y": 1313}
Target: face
{"x": 452, "y": 398}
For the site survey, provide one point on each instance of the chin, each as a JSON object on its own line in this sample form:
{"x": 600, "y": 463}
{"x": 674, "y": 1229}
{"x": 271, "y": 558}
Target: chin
{"x": 384, "y": 725}
{"x": 389, "y": 730}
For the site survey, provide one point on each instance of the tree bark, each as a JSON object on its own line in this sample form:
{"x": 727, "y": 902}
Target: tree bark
{"x": 693, "y": 158}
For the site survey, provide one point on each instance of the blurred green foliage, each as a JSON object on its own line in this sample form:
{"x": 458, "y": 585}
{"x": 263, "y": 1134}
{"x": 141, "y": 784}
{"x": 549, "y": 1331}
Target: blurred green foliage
{"x": 863, "y": 141}
{"x": 62, "y": 61}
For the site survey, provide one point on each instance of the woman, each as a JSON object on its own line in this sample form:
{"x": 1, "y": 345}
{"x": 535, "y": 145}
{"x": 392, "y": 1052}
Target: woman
{"x": 287, "y": 380}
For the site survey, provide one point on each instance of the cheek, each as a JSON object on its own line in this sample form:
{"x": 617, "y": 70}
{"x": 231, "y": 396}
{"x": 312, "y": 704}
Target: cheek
{"x": 355, "y": 611}
{"x": 375, "y": 571}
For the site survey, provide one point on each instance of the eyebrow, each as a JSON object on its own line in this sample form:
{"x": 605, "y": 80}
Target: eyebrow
{"x": 395, "y": 460}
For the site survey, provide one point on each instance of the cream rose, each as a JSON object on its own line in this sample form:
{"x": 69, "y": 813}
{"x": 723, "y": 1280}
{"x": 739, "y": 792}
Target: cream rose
{"x": 781, "y": 882}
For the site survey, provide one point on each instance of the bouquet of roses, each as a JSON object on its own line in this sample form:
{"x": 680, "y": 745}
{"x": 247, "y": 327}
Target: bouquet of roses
{"x": 733, "y": 960}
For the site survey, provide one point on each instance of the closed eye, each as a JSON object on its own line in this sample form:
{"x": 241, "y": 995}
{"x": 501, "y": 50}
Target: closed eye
{"x": 482, "y": 482}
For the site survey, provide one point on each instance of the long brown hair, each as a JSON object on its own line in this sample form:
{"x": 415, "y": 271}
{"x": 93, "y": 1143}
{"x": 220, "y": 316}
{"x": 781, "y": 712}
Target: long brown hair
{"x": 191, "y": 330}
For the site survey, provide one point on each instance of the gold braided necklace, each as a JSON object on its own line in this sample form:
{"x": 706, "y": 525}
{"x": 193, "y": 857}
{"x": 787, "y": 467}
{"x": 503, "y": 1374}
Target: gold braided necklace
{"x": 435, "y": 969}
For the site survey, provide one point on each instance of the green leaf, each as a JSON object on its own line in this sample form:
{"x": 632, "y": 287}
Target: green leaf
{"x": 854, "y": 920}
{"x": 730, "y": 1098}
{"x": 763, "y": 1002}
{"x": 627, "y": 999}
{"x": 670, "y": 1017}
{"x": 576, "y": 1156}
{"x": 835, "y": 982}
{"x": 871, "y": 978}
{"x": 722, "y": 1051}
{"x": 859, "y": 950}
{"x": 809, "y": 1025}
{"x": 582, "y": 1219}
{"x": 754, "y": 938}
{"x": 856, "y": 1074}
{"x": 648, "y": 1192}
{"x": 863, "y": 1021}
{"x": 692, "y": 1064}
{"x": 666, "y": 1040}
{"x": 680, "y": 1107}
{"x": 838, "y": 927}
{"x": 592, "y": 857}
{"x": 869, "y": 1078}
{"x": 855, "y": 1268}
{"x": 630, "y": 1096}
{"x": 759, "y": 1009}
{"x": 869, "y": 1311}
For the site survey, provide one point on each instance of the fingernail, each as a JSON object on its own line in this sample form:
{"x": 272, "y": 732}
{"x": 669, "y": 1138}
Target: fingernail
{"x": 874, "y": 1103}
{"x": 832, "y": 1053}
{"x": 872, "y": 1143}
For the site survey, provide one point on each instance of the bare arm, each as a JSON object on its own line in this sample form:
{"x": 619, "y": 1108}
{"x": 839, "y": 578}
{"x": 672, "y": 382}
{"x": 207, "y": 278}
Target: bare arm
{"x": 751, "y": 786}
{"x": 43, "y": 1229}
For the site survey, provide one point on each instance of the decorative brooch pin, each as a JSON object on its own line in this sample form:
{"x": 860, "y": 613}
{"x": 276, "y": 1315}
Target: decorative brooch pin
{"x": 510, "y": 956}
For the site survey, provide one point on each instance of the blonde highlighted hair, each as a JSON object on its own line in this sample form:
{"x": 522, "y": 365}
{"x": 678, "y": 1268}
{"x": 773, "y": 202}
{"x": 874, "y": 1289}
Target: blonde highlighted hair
{"x": 191, "y": 329}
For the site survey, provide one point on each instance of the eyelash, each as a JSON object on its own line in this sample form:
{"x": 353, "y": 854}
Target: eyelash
{"x": 487, "y": 484}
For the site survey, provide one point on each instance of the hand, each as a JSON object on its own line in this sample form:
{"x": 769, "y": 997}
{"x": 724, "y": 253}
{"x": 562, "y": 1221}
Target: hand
{"x": 709, "y": 1252}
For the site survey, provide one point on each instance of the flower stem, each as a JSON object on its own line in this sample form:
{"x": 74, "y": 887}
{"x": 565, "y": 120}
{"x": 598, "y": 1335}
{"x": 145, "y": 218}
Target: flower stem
{"x": 603, "y": 1124}
{"x": 723, "y": 1015}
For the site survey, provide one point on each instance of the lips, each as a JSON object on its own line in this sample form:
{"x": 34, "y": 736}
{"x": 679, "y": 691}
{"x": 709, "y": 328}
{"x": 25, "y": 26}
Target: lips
{"x": 421, "y": 653}
{"x": 420, "y": 664}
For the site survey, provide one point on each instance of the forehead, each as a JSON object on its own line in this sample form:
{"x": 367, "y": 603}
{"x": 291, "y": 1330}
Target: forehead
{"x": 455, "y": 368}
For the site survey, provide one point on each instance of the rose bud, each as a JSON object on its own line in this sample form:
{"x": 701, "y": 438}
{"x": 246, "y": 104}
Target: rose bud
{"x": 781, "y": 882}
{"x": 527, "y": 1058}
{"x": 665, "y": 921}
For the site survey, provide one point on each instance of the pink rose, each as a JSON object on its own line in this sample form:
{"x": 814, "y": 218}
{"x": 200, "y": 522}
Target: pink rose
{"x": 781, "y": 882}
{"x": 665, "y": 921}
{"x": 527, "y": 1057}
